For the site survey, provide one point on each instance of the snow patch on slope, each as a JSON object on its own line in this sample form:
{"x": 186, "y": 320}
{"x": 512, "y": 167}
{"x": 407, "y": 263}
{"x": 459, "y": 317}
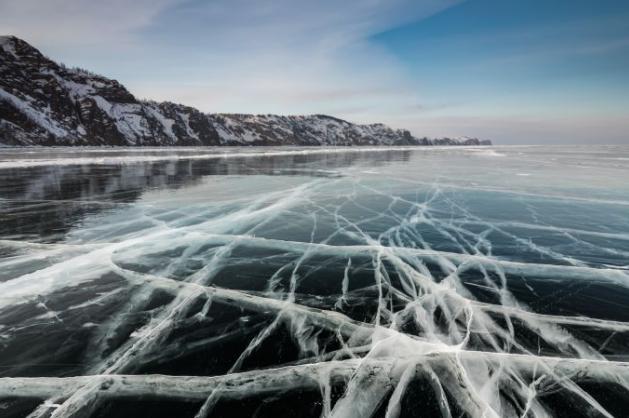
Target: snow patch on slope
{"x": 36, "y": 116}
{"x": 166, "y": 123}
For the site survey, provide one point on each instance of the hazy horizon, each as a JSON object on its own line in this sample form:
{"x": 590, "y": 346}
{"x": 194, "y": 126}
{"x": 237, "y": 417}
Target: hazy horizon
{"x": 541, "y": 72}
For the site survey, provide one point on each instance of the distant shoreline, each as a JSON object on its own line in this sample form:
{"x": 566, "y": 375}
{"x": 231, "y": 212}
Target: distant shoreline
{"x": 46, "y": 103}
{"x": 22, "y": 161}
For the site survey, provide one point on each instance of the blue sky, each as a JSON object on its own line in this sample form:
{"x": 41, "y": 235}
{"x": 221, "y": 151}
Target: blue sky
{"x": 515, "y": 71}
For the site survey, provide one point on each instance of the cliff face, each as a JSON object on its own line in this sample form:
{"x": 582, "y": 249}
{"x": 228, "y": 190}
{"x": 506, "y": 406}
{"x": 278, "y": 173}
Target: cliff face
{"x": 44, "y": 103}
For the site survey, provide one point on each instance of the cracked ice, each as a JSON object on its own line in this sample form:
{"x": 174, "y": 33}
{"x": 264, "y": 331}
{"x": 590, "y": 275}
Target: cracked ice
{"x": 345, "y": 283}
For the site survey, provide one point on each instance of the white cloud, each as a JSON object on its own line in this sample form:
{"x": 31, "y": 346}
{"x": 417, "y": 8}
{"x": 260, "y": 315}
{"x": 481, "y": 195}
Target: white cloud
{"x": 69, "y": 23}
{"x": 262, "y": 56}
{"x": 284, "y": 56}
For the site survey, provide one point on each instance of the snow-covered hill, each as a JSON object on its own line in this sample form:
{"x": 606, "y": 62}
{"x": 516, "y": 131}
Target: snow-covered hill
{"x": 44, "y": 103}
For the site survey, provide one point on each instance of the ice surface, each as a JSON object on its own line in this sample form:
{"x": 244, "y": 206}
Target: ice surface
{"x": 349, "y": 282}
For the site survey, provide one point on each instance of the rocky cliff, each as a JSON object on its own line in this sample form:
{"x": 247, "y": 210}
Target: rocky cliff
{"x": 45, "y": 103}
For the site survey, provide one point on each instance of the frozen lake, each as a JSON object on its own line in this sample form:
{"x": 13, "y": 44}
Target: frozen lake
{"x": 308, "y": 282}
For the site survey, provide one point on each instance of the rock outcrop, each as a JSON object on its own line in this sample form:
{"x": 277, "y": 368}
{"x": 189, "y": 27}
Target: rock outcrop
{"x": 45, "y": 103}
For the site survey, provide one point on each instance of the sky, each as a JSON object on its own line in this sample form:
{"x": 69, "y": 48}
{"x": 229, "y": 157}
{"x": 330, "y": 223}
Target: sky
{"x": 513, "y": 71}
